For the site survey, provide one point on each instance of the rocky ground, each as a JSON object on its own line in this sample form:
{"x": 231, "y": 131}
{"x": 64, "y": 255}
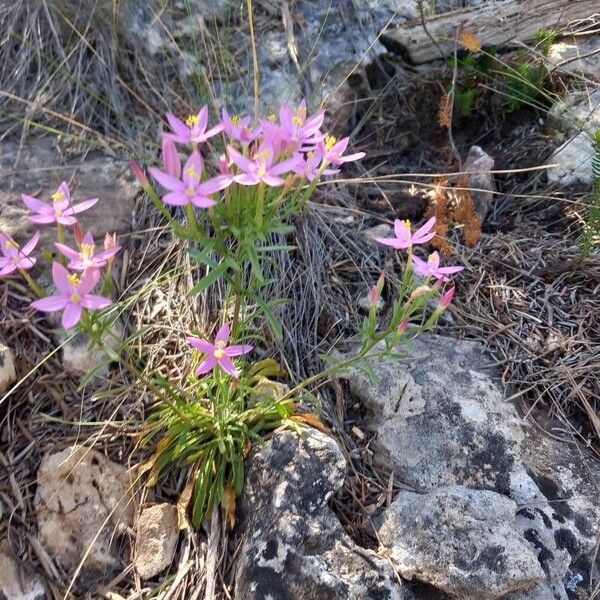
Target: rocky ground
{"x": 469, "y": 470}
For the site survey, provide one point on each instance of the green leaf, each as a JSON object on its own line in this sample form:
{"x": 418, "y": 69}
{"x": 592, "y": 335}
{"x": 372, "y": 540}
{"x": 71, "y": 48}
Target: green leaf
{"x": 212, "y": 276}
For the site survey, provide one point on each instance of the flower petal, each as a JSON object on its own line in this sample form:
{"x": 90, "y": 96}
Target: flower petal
{"x": 94, "y": 302}
{"x": 241, "y": 161}
{"x": 33, "y": 203}
{"x": 223, "y": 334}
{"x": 425, "y": 229}
{"x": 238, "y": 350}
{"x": 167, "y": 181}
{"x": 178, "y": 127}
{"x": 71, "y": 254}
{"x": 71, "y": 315}
{"x": 176, "y": 199}
{"x": 60, "y": 276}
{"x": 227, "y": 366}
{"x": 50, "y": 303}
{"x": 200, "y": 344}
{"x": 42, "y": 219}
{"x": 88, "y": 282}
{"x": 206, "y": 365}
{"x": 77, "y": 208}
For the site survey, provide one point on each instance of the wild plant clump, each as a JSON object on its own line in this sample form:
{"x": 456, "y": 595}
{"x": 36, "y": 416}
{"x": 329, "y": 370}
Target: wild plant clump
{"x": 230, "y": 217}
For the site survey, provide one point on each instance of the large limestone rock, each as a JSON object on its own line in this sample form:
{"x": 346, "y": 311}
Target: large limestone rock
{"x": 291, "y": 544}
{"x": 440, "y": 420}
{"x": 463, "y": 541}
{"x": 38, "y": 170}
{"x": 17, "y": 582}
{"x": 83, "y": 504}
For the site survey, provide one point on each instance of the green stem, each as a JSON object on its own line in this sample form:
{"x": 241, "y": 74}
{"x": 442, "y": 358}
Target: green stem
{"x": 37, "y": 290}
{"x": 191, "y": 217}
{"x": 260, "y": 206}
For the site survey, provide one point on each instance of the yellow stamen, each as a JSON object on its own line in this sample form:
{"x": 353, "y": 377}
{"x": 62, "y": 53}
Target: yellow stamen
{"x": 272, "y": 118}
{"x": 58, "y": 196}
{"x": 407, "y": 223}
{"x": 87, "y": 251}
{"x": 261, "y": 171}
{"x": 235, "y": 120}
{"x": 10, "y": 245}
{"x": 310, "y": 155}
{"x": 191, "y": 172}
{"x": 190, "y": 192}
{"x": 431, "y": 258}
{"x": 73, "y": 279}
{"x": 75, "y": 298}
{"x": 220, "y": 346}
{"x": 330, "y": 142}
{"x": 192, "y": 120}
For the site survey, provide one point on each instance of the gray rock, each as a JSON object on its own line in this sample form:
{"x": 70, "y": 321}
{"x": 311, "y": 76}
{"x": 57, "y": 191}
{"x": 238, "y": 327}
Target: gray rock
{"x": 291, "y": 544}
{"x": 80, "y": 358}
{"x": 40, "y": 170}
{"x": 465, "y": 542}
{"x": 441, "y": 420}
{"x": 479, "y": 165}
{"x": 8, "y": 374}
{"x": 157, "y": 534}
{"x": 579, "y": 56}
{"x": 17, "y": 582}
{"x": 83, "y": 504}
{"x": 572, "y": 162}
{"x": 578, "y": 111}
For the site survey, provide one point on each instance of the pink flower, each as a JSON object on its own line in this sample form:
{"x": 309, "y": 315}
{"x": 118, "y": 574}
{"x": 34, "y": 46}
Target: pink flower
{"x": 13, "y": 257}
{"x": 170, "y": 158}
{"x": 74, "y": 295}
{"x": 138, "y": 173}
{"x": 309, "y": 166}
{"x": 237, "y": 128}
{"x": 193, "y": 131}
{"x": 297, "y": 129}
{"x": 87, "y": 258}
{"x": 60, "y": 211}
{"x": 446, "y": 299}
{"x": 332, "y": 150}
{"x": 218, "y": 354}
{"x": 431, "y": 267}
{"x": 261, "y": 167}
{"x": 375, "y": 292}
{"x": 404, "y": 238}
{"x": 189, "y": 190}
{"x": 403, "y": 326}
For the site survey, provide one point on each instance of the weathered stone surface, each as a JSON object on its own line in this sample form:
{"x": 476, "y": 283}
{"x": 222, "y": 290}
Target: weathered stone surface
{"x": 157, "y": 534}
{"x": 83, "y": 503}
{"x": 579, "y": 56}
{"x": 572, "y": 161}
{"x": 292, "y": 545}
{"x": 8, "y": 374}
{"x": 479, "y": 165}
{"x": 80, "y": 359}
{"x": 441, "y": 420}
{"x": 463, "y": 541}
{"x": 578, "y": 111}
{"x": 17, "y": 582}
{"x": 40, "y": 170}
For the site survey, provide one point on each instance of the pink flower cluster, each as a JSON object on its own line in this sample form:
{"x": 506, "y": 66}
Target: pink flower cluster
{"x": 269, "y": 152}
{"x": 405, "y": 239}
{"x": 74, "y": 288}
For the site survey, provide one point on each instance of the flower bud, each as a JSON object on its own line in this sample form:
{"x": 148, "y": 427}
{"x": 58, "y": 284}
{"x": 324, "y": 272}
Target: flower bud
{"x": 78, "y": 234}
{"x": 446, "y": 299}
{"x": 139, "y": 174}
{"x": 403, "y": 326}
{"x": 170, "y": 158}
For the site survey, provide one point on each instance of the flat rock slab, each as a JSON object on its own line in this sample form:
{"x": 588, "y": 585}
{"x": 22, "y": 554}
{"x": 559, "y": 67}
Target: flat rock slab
{"x": 40, "y": 170}
{"x": 291, "y": 544}
{"x": 83, "y": 503}
{"x": 462, "y": 541}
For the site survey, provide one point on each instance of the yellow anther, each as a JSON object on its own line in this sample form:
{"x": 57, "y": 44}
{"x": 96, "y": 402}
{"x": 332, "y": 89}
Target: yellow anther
{"x": 220, "y": 346}
{"x": 407, "y": 223}
{"x": 191, "y": 172}
{"x": 73, "y": 279}
{"x": 330, "y": 142}
{"x": 192, "y": 120}
{"x": 297, "y": 121}
{"x": 272, "y": 118}
{"x": 75, "y": 298}
{"x": 10, "y": 245}
{"x": 235, "y": 120}
{"x": 431, "y": 258}
{"x": 190, "y": 192}
{"x": 310, "y": 155}
{"x": 58, "y": 196}
{"x": 87, "y": 251}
